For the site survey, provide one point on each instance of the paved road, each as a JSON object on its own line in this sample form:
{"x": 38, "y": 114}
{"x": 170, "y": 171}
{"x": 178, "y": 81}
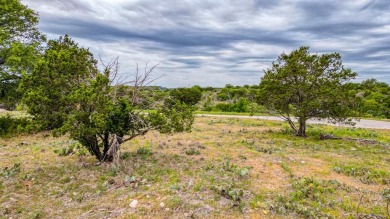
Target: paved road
{"x": 363, "y": 123}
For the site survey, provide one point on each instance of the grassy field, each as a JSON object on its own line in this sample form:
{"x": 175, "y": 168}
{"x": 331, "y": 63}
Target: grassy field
{"x": 224, "y": 168}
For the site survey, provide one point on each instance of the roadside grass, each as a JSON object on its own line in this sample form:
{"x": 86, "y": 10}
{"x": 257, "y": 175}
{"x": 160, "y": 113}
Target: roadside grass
{"x": 224, "y": 168}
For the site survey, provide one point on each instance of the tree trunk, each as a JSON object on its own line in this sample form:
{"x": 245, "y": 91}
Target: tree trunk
{"x": 92, "y": 144}
{"x": 106, "y": 147}
{"x": 302, "y": 128}
{"x": 292, "y": 125}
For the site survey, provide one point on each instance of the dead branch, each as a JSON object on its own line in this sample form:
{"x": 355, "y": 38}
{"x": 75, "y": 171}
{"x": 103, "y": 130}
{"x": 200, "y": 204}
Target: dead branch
{"x": 328, "y": 136}
{"x": 361, "y": 140}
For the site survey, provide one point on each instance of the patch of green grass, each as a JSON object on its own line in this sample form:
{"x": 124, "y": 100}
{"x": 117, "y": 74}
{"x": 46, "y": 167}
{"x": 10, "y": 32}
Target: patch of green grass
{"x": 287, "y": 169}
{"x": 310, "y": 198}
{"x": 364, "y": 174}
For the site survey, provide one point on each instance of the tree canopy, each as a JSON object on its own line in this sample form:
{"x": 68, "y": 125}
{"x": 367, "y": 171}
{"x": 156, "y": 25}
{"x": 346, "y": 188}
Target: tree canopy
{"x": 305, "y": 86}
{"x": 20, "y": 45}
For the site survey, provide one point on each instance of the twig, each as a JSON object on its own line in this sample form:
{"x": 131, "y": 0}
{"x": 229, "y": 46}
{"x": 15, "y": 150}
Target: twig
{"x": 360, "y": 202}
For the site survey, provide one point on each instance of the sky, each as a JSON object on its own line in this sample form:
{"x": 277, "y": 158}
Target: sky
{"x": 219, "y": 42}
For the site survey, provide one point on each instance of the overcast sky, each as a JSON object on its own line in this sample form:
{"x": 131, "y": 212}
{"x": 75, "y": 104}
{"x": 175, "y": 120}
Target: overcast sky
{"x": 218, "y": 42}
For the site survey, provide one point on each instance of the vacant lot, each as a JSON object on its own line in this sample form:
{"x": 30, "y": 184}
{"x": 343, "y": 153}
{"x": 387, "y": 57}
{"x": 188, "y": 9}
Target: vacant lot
{"x": 229, "y": 168}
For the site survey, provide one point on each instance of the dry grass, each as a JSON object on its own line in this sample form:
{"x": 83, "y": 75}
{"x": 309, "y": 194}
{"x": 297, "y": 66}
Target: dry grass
{"x": 186, "y": 175}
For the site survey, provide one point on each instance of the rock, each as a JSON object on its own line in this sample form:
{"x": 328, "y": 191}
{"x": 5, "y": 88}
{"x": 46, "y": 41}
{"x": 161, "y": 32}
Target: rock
{"x": 133, "y": 204}
{"x": 302, "y": 162}
{"x": 167, "y": 209}
{"x": 162, "y": 204}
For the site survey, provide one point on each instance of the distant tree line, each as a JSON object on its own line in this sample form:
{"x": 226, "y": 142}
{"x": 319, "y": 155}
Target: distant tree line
{"x": 373, "y": 97}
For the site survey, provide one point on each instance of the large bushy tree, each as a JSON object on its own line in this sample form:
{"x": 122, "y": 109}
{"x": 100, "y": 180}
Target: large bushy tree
{"x": 67, "y": 93}
{"x": 20, "y": 46}
{"x": 305, "y": 86}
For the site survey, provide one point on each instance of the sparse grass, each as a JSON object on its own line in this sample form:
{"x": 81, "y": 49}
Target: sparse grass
{"x": 244, "y": 168}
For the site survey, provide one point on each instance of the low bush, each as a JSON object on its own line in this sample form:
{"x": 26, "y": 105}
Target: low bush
{"x": 10, "y": 126}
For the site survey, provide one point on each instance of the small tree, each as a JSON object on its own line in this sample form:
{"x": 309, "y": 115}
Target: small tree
{"x": 20, "y": 46}
{"x": 99, "y": 109}
{"x": 308, "y": 86}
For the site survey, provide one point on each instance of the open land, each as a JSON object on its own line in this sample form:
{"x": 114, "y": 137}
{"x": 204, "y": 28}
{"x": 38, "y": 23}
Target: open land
{"x": 224, "y": 168}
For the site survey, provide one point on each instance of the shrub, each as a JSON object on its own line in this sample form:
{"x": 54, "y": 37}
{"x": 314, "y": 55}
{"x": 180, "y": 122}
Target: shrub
{"x": 192, "y": 151}
{"x": 14, "y": 126}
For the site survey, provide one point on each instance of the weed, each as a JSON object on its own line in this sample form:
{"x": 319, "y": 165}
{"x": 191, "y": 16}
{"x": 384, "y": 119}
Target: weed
{"x": 144, "y": 151}
{"x": 125, "y": 155}
{"x": 232, "y": 193}
{"x": 12, "y": 171}
{"x": 74, "y": 147}
{"x": 287, "y": 169}
{"x": 192, "y": 151}
{"x": 264, "y": 150}
{"x": 256, "y": 201}
{"x": 230, "y": 167}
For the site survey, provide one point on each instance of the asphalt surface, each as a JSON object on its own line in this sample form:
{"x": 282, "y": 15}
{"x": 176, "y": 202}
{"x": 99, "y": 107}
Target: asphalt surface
{"x": 362, "y": 123}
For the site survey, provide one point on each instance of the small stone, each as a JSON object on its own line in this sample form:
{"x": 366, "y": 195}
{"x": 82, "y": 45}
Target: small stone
{"x": 303, "y": 162}
{"x": 167, "y": 209}
{"x": 133, "y": 204}
{"x": 162, "y": 204}
{"x": 147, "y": 196}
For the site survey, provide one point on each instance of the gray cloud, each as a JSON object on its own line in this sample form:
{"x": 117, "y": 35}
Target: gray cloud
{"x": 215, "y": 42}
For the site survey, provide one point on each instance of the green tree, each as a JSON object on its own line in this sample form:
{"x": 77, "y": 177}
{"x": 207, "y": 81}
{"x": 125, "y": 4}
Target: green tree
{"x": 306, "y": 86}
{"x": 67, "y": 92}
{"x": 20, "y": 46}
{"x": 189, "y": 96}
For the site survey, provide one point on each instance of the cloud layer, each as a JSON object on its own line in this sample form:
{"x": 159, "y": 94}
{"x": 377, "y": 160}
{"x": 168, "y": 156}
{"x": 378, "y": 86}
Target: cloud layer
{"x": 216, "y": 42}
